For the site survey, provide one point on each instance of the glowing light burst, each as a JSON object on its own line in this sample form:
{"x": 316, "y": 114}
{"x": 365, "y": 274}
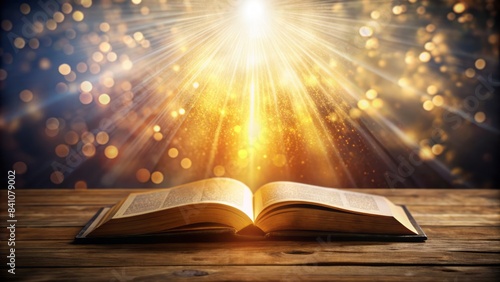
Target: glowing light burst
{"x": 335, "y": 93}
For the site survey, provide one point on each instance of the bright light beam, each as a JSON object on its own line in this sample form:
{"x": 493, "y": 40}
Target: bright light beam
{"x": 253, "y": 11}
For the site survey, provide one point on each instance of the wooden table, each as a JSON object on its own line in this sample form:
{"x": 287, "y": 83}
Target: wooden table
{"x": 463, "y": 227}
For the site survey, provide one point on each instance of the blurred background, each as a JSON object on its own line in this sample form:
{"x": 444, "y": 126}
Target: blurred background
{"x": 156, "y": 93}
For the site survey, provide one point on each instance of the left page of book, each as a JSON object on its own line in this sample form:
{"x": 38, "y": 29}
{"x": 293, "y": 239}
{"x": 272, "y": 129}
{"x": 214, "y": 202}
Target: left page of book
{"x": 214, "y": 190}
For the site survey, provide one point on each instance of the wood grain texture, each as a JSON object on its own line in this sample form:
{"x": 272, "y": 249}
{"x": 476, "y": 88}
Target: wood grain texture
{"x": 463, "y": 227}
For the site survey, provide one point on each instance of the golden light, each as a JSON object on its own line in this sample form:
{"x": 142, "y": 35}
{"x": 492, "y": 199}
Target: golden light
{"x": 253, "y": 11}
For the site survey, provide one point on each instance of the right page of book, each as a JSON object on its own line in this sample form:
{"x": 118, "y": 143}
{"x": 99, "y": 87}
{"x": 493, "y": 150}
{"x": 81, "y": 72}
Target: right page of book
{"x": 288, "y": 192}
{"x": 282, "y": 192}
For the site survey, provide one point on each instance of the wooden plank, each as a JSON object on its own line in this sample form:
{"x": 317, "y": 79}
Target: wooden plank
{"x": 438, "y": 252}
{"x": 262, "y": 273}
{"x": 487, "y": 246}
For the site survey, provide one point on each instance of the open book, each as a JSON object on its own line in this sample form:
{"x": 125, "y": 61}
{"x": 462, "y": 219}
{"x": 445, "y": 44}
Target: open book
{"x": 278, "y": 209}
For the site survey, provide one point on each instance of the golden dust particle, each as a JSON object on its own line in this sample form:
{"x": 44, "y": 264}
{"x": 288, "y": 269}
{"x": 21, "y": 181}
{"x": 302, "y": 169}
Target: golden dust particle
{"x": 64, "y": 69}
{"x": 136, "y": 2}
{"x": 156, "y": 128}
{"x": 470, "y": 72}
{"x": 20, "y": 167}
{"x": 127, "y": 65}
{"x": 430, "y": 28}
{"x": 88, "y": 150}
{"x": 44, "y": 64}
{"x": 80, "y": 185}
{"x": 371, "y": 94}
{"x": 138, "y": 36}
{"x": 176, "y": 68}
{"x": 219, "y": 170}
{"x": 102, "y": 137}
{"x": 425, "y": 153}
{"x": 57, "y": 177}
{"x": 437, "y": 149}
{"x": 279, "y": 160}
{"x": 95, "y": 68}
{"x": 480, "y": 117}
{"x": 62, "y": 87}
{"x": 378, "y": 103}
{"x": 421, "y": 10}
{"x": 108, "y": 82}
{"x": 366, "y": 31}
{"x": 196, "y": 85}
{"x": 81, "y": 67}
{"x": 70, "y": 77}
{"x": 174, "y": 114}
{"x": 480, "y": 64}
{"x": 432, "y": 90}
{"x": 78, "y": 16}
{"x": 52, "y": 123}
{"x": 88, "y": 137}
{"x": 403, "y": 82}
{"x": 355, "y": 113}
{"x": 428, "y": 105}
{"x": 372, "y": 43}
{"x": 19, "y": 42}
{"x": 71, "y": 138}
{"x": 126, "y": 85}
{"x": 34, "y": 43}
{"x": 58, "y": 17}
{"x": 363, "y": 104}
{"x": 493, "y": 39}
{"x": 66, "y": 8}
{"x": 86, "y": 86}
{"x": 182, "y": 111}
{"x": 375, "y": 15}
{"x": 424, "y": 57}
{"x": 237, "y": 128}
{"x": 429, "y": 46}
{"x": 3, "y": 74}
{"x": 111, "y": 152}
{"x": 86, "y": 98}
{"x": 332, "y": 117}
{"x": 86, "y": 3}
{"x": 142, "y": 175}
{"x": 104, "y": 27}
{"x": 62, "y": 150}
{"x": 459, "y": 8}
{"x": 186, "y": 163}
{"x": 158, "y": 136}
{"x": 25, "y": 8}
{"x": 97, "y": 57}
{"x": 438, "y": 100}
{"x": 451, "y": 16}
{"x": 157, "y": 177}
{"x": 26, "y": 96}
{"x": 105, "y": 47}
{"x": 242, "y": 154}
{"x": 51, "y": 24}
{"x": 144, "y": 11}
{"x": 397, "y": 10}
{"x": 104, "y": 99}
{"x": 173, "y": 153}
{"x": 6, "y": 25}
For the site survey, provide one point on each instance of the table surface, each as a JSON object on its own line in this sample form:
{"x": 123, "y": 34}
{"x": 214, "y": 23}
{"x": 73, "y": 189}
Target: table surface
{"x": 463, "y": 227}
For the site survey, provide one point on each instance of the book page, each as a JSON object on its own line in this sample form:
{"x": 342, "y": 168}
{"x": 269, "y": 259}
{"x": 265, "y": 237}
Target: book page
{"x": 281, "y": 192}
{"x": 215, "y": 190}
